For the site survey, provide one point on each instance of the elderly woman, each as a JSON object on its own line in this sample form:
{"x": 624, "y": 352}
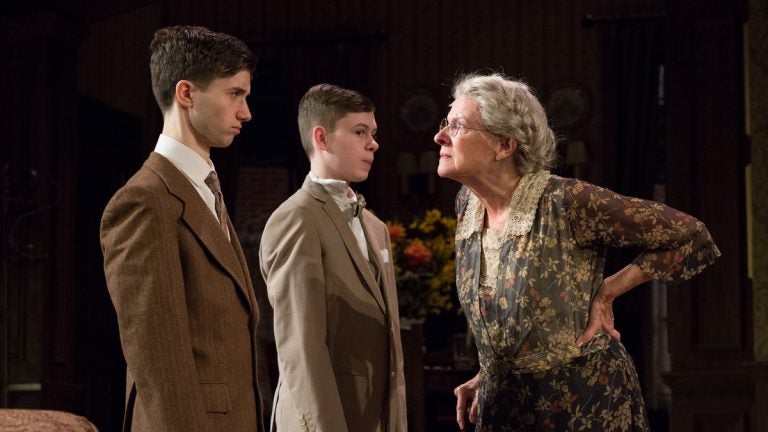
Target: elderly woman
{"x": 530, "y": 251}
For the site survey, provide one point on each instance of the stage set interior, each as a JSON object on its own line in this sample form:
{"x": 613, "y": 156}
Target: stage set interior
{"x": 658, "y": 99}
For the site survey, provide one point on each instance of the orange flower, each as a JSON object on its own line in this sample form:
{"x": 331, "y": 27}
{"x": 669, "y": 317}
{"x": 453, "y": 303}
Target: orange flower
{"x": 417, "y": 253}
{"x": 423, "y": 254}
{"x": 396, "y": 232}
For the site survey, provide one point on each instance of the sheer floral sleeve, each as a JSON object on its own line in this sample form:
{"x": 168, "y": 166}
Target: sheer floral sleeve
{"x": 676, "y": 245}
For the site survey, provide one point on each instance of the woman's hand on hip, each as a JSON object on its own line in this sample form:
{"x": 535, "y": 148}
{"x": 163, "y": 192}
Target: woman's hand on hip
{"x": 465, "y": 393}
{"x": 601, "y": 309}
{"x": 600, "y": 318}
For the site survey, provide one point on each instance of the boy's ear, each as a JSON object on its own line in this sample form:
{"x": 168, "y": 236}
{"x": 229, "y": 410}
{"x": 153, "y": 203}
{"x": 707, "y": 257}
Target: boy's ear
{"x": 184, "y": 90}
{"x": 320, "y": 138}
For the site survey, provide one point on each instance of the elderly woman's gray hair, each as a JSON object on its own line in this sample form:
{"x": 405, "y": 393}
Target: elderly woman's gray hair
{"x": 509, "y": 108}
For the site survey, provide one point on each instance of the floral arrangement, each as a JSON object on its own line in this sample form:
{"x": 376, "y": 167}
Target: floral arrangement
{"x": 425, "y": 266}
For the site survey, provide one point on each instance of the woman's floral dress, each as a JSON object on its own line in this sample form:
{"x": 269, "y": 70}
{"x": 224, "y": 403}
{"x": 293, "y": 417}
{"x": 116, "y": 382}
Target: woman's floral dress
{"x": 526, "y": 292}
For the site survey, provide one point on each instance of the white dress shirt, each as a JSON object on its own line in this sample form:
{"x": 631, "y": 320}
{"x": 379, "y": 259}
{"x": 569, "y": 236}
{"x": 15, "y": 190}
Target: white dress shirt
{"x": 191, "y": 164}
{"x": 343, "y": 195}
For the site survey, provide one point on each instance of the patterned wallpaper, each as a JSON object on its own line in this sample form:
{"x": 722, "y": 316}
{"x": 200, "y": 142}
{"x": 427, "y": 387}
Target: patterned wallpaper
{"x": 758, "y": 71}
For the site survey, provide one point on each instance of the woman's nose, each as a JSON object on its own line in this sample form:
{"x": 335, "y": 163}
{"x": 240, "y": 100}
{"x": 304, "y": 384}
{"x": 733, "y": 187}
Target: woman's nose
{"x": 441, "y": 138}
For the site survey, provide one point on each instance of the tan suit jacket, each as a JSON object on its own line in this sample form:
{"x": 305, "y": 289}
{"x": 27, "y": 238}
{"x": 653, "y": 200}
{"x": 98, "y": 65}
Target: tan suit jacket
{"x": 185, "y": 307}
{"x": 336, "y": 327}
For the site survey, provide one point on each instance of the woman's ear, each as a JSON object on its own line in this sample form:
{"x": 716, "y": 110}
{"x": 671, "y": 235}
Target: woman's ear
{"x": 184, "y": 91}
{"x": 507, "y": 148}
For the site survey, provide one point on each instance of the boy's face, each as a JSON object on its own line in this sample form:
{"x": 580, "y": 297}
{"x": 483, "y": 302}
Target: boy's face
{"x": 218, "y": 112}
{"x": 348, "y": 154}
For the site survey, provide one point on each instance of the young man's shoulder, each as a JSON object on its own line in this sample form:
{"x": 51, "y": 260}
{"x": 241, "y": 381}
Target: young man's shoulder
{"x": 141, "y": 182}
{"x": 301, "y": 205}
{"x": 300, "y": 201}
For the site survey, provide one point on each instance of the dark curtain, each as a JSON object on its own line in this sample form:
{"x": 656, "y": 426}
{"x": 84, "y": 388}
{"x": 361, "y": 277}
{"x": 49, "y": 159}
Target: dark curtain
{"x": 634, "y": 52}
{"x": 634, "y": 107}
{"x": 103, "y": 165}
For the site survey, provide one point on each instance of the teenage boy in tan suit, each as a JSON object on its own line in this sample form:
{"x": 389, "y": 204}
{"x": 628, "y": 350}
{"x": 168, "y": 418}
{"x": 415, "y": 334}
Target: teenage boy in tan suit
{"x": 175, "y": 270}
{"x": 331, "y": 283}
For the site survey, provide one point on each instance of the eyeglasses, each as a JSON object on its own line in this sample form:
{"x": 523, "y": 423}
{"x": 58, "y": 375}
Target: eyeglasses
{"x": 453, "y": 128}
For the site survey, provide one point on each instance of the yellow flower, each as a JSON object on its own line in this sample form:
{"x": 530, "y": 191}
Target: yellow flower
{"x": 424, "y": 261}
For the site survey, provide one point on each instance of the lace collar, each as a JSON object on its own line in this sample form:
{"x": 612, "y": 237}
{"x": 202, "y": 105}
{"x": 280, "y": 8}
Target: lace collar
{"x": 522, "y": 208}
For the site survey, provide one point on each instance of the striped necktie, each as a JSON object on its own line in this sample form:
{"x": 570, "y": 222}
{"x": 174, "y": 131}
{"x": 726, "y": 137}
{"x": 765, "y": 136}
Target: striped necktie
{"x": 212, "y": 181}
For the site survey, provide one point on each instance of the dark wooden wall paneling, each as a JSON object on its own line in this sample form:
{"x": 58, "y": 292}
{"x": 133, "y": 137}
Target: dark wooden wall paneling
{"x": 714, "y": 378}
{"x": 707, "y": 161}
{"x": 706, "y": 132}
{"x": 423, "y": 45}
{"x": 38, "y": 149}
{"x": 426, "y": 43}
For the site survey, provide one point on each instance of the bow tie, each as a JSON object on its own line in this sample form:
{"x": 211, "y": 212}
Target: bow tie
{"x": 355, "y": 208}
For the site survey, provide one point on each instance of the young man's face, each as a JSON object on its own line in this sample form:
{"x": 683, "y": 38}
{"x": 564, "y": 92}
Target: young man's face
{"x": 349, "y": 149}
{"x": 218, "y": 112}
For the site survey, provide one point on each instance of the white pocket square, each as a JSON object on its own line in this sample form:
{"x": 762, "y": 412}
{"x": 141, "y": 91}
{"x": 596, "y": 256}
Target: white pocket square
{"x": 385, "y": 256}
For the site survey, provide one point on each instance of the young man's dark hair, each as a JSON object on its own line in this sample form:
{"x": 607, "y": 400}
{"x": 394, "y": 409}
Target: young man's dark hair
{"x": 195, "y": 54}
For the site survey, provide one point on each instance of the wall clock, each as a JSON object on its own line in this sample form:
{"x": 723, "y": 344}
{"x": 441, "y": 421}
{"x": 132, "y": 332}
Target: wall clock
{"x": 419, "y": 112}
{"x": 568, "y": 106}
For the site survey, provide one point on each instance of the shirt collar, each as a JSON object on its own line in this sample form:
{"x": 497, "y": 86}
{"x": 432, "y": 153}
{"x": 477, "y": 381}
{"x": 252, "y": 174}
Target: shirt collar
{"x": 194, "y": 167}
{"x": 338, "y": 189}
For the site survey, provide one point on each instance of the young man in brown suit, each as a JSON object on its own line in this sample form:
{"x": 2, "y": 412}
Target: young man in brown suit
{"x": 174, "y": 268}
{"x": 331, "y": 283}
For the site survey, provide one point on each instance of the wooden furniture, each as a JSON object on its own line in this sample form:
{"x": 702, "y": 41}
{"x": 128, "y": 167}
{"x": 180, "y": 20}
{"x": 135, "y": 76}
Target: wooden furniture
{"x": 412, "y": 339}
{"x": 440, "y": 405}
{"x": 429, "y": 383}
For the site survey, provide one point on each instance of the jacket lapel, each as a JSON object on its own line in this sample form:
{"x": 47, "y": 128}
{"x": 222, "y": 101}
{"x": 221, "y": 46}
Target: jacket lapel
{"x": 374, "y": 254}
{"x": 350, "y": 242}
{"x": 201, "y": 220}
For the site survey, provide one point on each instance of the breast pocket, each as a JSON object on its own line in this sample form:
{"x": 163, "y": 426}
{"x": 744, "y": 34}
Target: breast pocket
{"x": 216, "y": 397}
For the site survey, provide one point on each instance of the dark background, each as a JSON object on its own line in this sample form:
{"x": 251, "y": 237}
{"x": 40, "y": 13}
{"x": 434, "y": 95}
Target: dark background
{"x": 660, "y": 114}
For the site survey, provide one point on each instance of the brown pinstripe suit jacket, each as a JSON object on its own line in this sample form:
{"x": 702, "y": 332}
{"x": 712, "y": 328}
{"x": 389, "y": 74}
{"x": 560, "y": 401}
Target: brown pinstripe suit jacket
{"x": 185, "y": 307}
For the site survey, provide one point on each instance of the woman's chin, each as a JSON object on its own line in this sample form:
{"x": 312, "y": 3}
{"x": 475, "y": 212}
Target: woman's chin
{"x": 445, "y": 172}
